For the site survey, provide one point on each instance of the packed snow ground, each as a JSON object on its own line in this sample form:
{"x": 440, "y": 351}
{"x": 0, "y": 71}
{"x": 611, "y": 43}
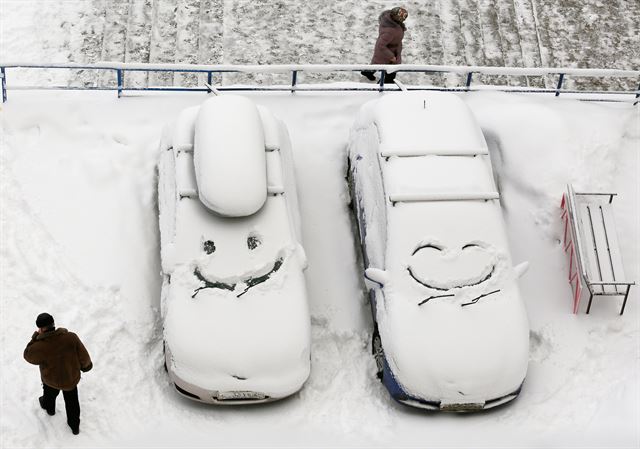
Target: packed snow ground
{"x": 79, "y": 239}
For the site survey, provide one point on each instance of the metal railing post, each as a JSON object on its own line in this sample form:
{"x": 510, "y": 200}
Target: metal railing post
{"x": 3, "y": 74}
{"x": 560, "y": 81}
{"x": 120, "y": 84}
{"x": 294, "y": 80}
{"x": 469, "y": 75}
{"x": 383, "y": 73}
{"x": 209, "y": 80}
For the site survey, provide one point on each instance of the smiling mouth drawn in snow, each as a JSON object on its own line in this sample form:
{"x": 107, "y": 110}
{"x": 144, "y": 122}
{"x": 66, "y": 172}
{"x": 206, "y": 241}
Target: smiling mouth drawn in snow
{"x": 247, "y": 283}
{"x": 475, "y": 264}
{"x": 256, "y": 278}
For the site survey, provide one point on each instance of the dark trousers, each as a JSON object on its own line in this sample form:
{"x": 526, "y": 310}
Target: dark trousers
{"x": 71, "y": 403}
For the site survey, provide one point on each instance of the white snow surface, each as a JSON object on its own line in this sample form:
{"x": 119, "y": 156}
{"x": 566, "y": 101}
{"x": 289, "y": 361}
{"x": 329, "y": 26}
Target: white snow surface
{"x": 79, "y": 239}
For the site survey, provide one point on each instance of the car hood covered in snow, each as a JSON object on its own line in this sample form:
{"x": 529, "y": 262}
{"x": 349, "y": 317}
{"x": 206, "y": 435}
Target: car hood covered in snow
{"x": 453, "y": 324}
{"x": 244, "y": 339}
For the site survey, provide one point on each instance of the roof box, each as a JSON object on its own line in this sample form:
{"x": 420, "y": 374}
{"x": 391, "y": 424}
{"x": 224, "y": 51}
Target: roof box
{"x": 229, "y": 156}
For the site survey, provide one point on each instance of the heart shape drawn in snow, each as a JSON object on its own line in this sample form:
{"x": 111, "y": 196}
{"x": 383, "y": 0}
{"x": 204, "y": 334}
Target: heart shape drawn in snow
{"x": 439, "y": 268}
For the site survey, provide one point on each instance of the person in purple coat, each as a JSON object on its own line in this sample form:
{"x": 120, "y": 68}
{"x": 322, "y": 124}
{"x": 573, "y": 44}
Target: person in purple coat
{"x": 388, "y": 49}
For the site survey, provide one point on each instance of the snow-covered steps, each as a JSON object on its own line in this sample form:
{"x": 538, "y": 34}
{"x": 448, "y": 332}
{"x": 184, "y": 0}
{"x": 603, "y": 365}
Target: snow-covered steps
{"x": 187, "y": 24}
{"x": 512, "y": 33}
{"x": 114, "y": 37}
{"x": 163, "y": 40}
{"x": 138, "y": 39}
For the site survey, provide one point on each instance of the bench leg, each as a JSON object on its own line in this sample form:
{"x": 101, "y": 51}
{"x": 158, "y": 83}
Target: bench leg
{"x": 624, "y": 303}
{"x": 590, "y": 299}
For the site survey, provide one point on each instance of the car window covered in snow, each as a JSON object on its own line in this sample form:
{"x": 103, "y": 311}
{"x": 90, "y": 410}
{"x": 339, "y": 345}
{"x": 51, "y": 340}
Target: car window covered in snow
{"x": 370, "y": 191}
{"x": 167, "y": 197}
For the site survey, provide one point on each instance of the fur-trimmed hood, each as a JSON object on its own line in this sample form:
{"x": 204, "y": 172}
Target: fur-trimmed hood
{"x": 387, "y": 21}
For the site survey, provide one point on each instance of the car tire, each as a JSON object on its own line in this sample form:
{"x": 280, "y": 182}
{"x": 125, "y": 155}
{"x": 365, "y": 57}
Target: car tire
{"x": 378, "y": 353}
{"x": 164, "y": 358}
{"x": 350, "y": 187}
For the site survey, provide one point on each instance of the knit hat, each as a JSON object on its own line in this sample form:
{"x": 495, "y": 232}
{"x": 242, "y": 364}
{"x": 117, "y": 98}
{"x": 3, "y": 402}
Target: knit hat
{"x": 44, "y": 320}
{"x": 399, "y": 14}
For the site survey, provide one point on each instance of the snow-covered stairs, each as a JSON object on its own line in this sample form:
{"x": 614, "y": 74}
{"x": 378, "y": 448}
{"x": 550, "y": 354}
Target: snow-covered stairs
{"x": 163, "y": 40}
{"x": 513, "y": 33}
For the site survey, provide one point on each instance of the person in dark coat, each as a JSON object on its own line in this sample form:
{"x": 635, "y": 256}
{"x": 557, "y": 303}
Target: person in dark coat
{"x": 388, "y": 49}
{"x": 61, "y": 357}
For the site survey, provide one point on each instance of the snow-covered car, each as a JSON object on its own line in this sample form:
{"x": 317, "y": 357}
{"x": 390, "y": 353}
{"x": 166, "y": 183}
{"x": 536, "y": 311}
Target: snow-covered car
{"x": 451, "y": 331}
{"x": 234, "y": 302}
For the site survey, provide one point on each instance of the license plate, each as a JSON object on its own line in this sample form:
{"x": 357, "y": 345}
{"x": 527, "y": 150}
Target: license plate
{"x": 468, "y": 407}
{"x": 239, "y": 395}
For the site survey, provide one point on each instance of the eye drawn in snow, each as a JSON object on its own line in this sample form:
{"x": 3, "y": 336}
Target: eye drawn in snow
{"x": 253, "y": 241}
{"x": 209, "y": 247}
{"x": 244, "y": 283}
{"x": 436, "y": 267}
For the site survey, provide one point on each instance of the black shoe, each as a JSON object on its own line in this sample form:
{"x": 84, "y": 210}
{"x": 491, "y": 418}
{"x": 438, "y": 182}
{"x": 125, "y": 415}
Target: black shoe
{"x": 368, "y": 75}
{"x": 75, "y": 430}
{"x": 41, "y": 401}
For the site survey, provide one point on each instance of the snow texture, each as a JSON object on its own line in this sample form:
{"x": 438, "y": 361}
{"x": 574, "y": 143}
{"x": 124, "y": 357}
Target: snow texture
{"x": 520, "y": 33}
{"x": 79, "y": 239}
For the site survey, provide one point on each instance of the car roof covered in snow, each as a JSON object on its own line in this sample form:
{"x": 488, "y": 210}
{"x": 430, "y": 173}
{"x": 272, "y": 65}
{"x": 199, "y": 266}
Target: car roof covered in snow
{"x": 418, "y": 123}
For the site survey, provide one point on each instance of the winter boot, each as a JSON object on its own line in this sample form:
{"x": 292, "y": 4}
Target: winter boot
{"x": 368, "y": 74}
{"x": 390, "y": 78}
{"x": 41, "y": 401}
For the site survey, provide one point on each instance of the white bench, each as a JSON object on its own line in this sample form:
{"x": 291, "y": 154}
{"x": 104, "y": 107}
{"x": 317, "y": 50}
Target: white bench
{"x": 591, "y": 242}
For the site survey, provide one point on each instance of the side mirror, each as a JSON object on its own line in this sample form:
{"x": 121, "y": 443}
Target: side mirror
{"x": 167, "y": 258}
{"x": 302, "y": 256}
{"x": 521, "y": 269}
{"x": 377, "y": 276}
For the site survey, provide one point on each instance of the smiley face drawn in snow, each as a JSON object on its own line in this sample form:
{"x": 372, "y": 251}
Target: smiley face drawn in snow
{"x": 245, "y": 282}
{"x": 473, "y": 265}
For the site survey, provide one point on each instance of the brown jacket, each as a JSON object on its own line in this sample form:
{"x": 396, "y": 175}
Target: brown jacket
{"x": 389, "y": 43}
{"x": 60, "y": 355}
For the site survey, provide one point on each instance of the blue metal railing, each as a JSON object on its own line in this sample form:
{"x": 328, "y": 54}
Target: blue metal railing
{"x": 466, "y": 73}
